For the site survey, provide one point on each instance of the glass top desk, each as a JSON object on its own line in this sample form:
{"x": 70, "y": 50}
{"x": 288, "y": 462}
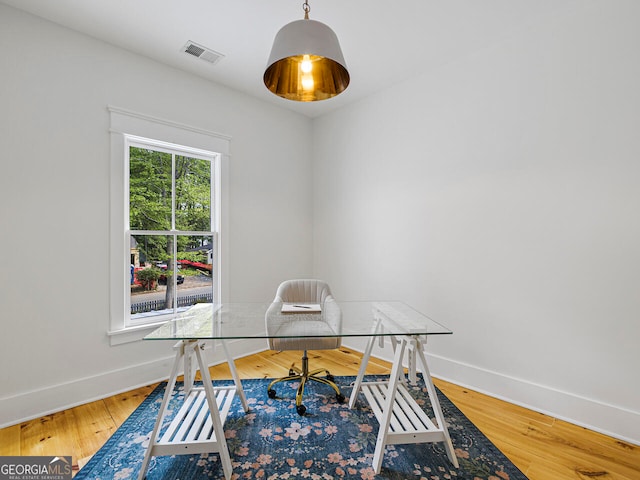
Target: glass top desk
{"x": 401, "y": 419}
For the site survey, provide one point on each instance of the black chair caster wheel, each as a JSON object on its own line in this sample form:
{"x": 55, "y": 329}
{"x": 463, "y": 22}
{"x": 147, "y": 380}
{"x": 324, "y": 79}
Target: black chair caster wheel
{"x": 340, "y": 398}
{"x": 291, "y": 372}
{"x": 272, "y": 393}
{"x": 301, "y": 409}
{"x": 331, "y": 378}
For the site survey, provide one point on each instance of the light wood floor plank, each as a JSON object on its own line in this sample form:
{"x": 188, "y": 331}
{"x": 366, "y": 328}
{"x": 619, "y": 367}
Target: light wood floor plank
{"x": 10, "y": 441}
{"x": 120, "y": 406}
{"x": 543, "y": 447}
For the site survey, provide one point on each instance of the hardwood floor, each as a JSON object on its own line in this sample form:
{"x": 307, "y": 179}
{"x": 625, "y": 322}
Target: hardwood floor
{"x": 543, "y": 447}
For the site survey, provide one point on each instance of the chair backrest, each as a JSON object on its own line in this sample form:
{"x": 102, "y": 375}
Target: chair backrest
{"x": 297, "y": 338}
{"x": 303, "y": 290}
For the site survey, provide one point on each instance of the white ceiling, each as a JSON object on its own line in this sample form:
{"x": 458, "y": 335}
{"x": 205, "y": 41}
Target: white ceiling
{"x": 383, "y": 41}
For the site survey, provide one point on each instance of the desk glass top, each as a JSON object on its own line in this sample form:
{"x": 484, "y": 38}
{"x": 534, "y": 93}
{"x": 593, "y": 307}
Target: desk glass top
{"x": 247, "y": 320}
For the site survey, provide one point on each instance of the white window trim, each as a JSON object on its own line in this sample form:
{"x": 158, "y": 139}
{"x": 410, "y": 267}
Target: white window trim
{"x": 126, "y": 123}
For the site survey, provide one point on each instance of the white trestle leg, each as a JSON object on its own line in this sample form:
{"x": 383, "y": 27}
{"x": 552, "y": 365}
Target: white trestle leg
{"x": 197, "y": 427}
{"x": 401, "y": 419}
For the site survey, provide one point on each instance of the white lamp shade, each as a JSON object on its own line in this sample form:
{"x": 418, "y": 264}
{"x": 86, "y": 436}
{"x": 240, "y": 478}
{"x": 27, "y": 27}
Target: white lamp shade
{"x": 306, "y": 63}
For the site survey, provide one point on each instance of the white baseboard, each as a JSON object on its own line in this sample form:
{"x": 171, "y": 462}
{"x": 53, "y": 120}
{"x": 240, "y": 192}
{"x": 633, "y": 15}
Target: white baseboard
{"x": 55, "y": 398}
{"x": 611, "y": 420}
{"x": 608, "y": 419}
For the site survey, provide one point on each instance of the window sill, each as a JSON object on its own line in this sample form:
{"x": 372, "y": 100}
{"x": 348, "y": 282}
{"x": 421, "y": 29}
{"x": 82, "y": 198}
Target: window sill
{"x": 132, "y": 334}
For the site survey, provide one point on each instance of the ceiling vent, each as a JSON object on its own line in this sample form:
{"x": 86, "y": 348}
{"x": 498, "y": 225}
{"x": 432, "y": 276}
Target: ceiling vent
{"x": 203, "y": 53}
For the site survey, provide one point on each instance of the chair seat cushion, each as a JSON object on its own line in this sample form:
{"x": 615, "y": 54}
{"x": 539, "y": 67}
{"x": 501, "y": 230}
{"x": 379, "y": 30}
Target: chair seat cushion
{"x": 300, "y": 331}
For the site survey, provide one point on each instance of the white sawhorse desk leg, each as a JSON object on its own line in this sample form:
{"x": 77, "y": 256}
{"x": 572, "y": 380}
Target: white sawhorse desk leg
{"x": 192, "y": 430}
{"x": 401, "y": 419}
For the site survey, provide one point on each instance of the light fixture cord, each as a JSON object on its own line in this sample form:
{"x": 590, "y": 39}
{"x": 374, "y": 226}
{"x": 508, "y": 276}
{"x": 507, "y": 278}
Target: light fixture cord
{"x": 306, "y": 8}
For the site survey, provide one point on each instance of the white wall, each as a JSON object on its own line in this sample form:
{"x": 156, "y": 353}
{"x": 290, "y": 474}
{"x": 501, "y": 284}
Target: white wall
{"x": 55, "y": 86}
{"x": 499, "y": 195}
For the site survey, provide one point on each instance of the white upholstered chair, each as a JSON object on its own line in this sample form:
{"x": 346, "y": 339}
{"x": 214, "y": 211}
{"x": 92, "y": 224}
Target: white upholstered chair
{"x": 293, "y": 330}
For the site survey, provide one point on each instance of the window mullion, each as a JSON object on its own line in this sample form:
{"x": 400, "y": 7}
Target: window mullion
{"x": 173, "y": 232}
{"x": 213, "y": 218}
{"x": 174, "y": 259}
{"x": 174, "y": 268}
{"x": 173, "y": 191}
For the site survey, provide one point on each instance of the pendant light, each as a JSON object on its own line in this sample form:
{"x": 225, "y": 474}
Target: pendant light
{"x": 306, "y": 62}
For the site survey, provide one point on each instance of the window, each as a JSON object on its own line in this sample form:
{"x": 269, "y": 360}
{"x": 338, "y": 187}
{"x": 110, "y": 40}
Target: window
{"x": 171, "y": 228}
{"x": 166, "y": 221}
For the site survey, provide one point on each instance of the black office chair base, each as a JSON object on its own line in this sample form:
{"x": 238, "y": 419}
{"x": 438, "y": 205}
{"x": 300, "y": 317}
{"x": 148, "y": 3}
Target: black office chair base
{"x": 304, "y": 375}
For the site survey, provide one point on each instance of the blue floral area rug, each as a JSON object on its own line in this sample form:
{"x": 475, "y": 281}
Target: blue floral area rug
{"x": 329, "y": 442}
